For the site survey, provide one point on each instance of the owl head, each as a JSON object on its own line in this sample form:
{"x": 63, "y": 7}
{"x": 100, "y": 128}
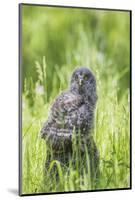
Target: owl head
{"x": 83, "y": 82}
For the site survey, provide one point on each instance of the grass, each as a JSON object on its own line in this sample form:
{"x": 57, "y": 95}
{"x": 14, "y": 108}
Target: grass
{"x": 111, "y": 135}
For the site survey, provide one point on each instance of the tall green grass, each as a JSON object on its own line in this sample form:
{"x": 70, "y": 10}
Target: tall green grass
{"x": 111, "y": 135}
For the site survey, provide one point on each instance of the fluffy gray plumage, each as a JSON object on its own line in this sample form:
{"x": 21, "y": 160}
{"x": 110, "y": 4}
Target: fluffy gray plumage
{"x": 72, "y": 110}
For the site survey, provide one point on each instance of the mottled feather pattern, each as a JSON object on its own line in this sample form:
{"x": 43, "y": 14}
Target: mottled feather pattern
{"x": 68, "y": 113}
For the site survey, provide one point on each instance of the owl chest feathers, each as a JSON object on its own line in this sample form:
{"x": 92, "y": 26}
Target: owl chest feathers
{"x": 69, "y": 111}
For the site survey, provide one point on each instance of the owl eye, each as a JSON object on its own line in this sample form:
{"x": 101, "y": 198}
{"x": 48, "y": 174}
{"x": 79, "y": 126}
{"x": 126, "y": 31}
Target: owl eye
{"x": 85, "y": 77}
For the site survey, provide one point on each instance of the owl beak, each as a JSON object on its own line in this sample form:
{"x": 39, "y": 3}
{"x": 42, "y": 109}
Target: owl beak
{"x": 80, "y": 81}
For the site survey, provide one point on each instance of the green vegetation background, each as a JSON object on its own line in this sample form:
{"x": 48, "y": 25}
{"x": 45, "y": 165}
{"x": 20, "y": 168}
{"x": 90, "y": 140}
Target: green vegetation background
{"x": 54, "y": 42}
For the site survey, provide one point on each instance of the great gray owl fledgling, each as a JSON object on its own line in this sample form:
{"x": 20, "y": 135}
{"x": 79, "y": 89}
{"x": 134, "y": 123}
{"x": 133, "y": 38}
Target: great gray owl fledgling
{"x": 73, "y": 110}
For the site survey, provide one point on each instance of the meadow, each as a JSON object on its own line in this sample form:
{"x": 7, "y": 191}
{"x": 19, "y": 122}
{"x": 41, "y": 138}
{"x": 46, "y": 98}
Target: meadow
{"x": 54, "y": 42}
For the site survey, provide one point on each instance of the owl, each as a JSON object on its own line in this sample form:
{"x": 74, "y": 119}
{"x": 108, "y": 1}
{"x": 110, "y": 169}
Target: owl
{"x": 73, "y": 112}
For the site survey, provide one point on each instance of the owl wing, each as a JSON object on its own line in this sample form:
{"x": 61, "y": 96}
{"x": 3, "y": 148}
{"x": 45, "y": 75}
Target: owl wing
{"x": 62, "y": 118}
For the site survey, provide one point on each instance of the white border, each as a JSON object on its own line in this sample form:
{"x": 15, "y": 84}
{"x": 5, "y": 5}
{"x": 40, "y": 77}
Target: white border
{"x": 9, "y": 97}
